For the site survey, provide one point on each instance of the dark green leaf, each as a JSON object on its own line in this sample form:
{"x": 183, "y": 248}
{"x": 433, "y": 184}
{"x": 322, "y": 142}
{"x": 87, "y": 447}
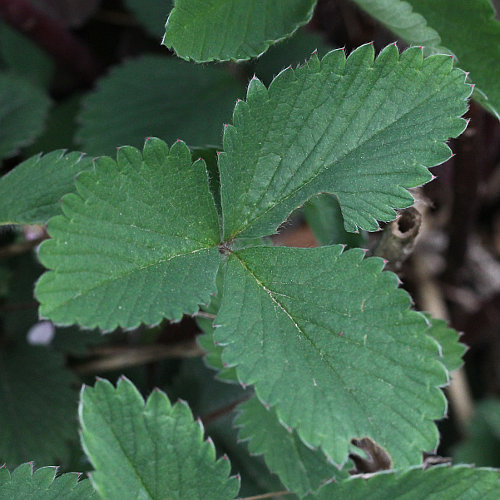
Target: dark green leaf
{"x": 361, "y": 129}
{"x": 224, "y": 30}
{"x": 23, "y": 109}
{"x": 159, "y": 96}
{"x": 437, "y": 483}
{"x": 42, "y": 484}
{"x": 137, "y": 243}
{"x": 149, "y": 450}
{"x": 329, "y": 340}
{"x": 31, "y": 193}
{"x": 300, "y": 468}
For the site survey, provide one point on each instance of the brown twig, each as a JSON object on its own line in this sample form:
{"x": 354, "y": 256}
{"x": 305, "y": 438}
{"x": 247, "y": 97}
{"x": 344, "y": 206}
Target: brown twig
{"x": 268, "y": 495}
{"x": 431, "y": 300}
{"x": 52, "y": 36}
{"x": 219, "y": 412}
{"x": 20, "y": 248}
{"x": 118, "y": 357}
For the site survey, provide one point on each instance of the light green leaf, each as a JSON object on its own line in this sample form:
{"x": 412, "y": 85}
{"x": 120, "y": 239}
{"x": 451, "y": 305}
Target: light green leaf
{"x": 42, "y": 484}
{"x": 300, "y": 468}
{"x": 149, "y": 450}
{"x": 363, "y": 130}
{"x": 232, "y": 30}
{"x": 451, "y": 350}
{"x": 467, "y": 28}
{"x": 329, "y": 340}
{"x": 138, "y": 242}
{"x": 324, "y": 217}
{"x": 436, "y": 483}
{"x": 37, "y": 405}
{"x": 160, "y": 96}
{"x": 23, "y": 109}
{"x": 152, "y": 14}
{"x": 31, "y": 192}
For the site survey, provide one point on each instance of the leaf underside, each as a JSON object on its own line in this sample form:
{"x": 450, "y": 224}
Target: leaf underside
{"x": 149, "y": 450}
{"x": 362, "y": 129}
{"x": 232, "y": 30}
{"x": 436, "y": 483}
{"x": 42, "y": 484}
{"x": 329, "y": 340}
{"x": 137, "y": 242}
{"x": 43, "y": 181}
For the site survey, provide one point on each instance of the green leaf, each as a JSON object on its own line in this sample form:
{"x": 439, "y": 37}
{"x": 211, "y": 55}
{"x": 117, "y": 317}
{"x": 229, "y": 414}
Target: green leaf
{"x": 399, "y": 17}
{"x": 175, "y": 100}
{"x": 137, "y": 243}
{"x": 468, "y": 29}
{"x": 328, "y": 339}
{"x": 37, "y": 405}
{"x": 149, "y": 450}
{"x": 232, "y": 30}
{"x": 152, "y": 14}
{"x": 31, "y": 193}
{"x": 324, "y": 217}
{"x": 436, "y": 483}
{"x": 23, "y": 109}
{"x": 25, "y": 58}
{"x": 360, "y": 129}
{"x": 452, "y": 351}
{"x": 481, "y": 445}
{"x": 300, "y": 468}
{"x": 42, "y": 484}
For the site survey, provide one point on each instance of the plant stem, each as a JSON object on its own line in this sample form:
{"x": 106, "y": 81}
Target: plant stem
{"x": 49, "y": 34}
{"x": 268, "y": 495}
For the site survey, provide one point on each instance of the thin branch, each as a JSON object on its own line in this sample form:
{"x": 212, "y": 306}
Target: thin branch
{"x": 220, "y": 412}
{"x": 52, "y": 36}
{"x": 268, "y": 495}
{"x": 119, "y": 357}
{"x": 20, "y": 248}
{"x": 203, "y": 314}
{"x": 431, "y": 300}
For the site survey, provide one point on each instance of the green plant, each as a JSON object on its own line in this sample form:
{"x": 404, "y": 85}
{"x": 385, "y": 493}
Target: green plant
{"x": 336, "y": 367}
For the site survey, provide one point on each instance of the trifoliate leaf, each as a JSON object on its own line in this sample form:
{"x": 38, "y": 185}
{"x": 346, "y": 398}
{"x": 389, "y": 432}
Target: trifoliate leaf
{"x": 232, "y": 30}
{"x": 23, "y": 109}
{"x": 137, "y": 243}
{"x": 361, "y": 129}
{"x": 436, "y": 483}
{"x": 37, "y": 405}
{"x": 42, "y": 484}
{"x": 328, "y": 339}
{"x": 451, "y": 350}
{"x": 149, "y": 450}
{"x": 31, "y": 193}
{"x": 468, "y": 29}
{"x": 152, "y": 14}
{"x": 300, "y": 468}
{"x": 159, "y": 96}
{"x": 481, "y": 444}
